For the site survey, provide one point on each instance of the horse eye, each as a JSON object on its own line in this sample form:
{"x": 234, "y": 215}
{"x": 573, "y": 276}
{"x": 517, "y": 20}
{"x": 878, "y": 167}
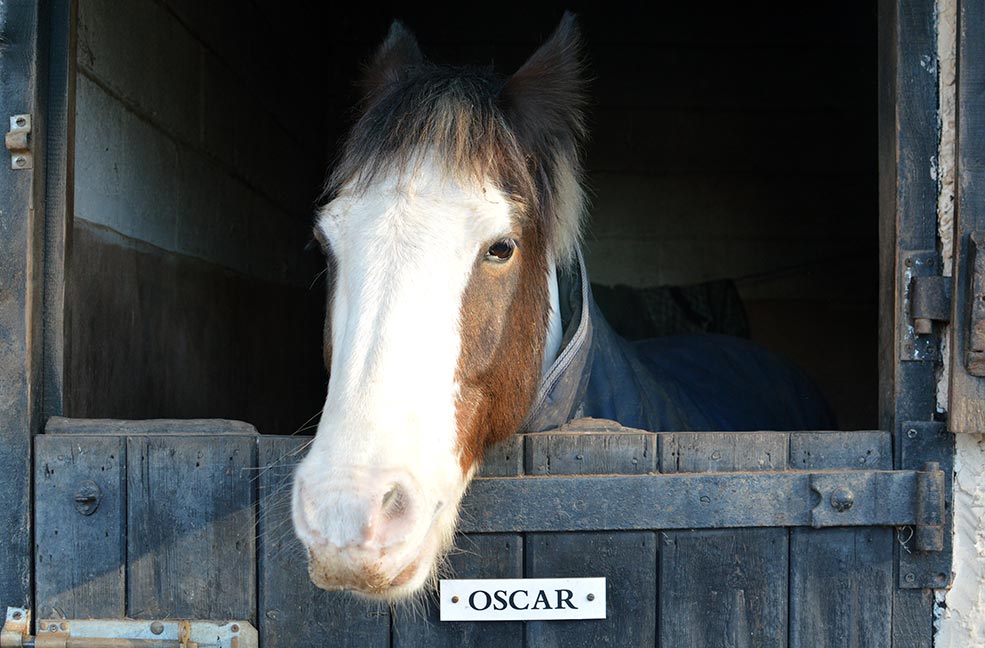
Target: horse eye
{"x": 501, "y": 250}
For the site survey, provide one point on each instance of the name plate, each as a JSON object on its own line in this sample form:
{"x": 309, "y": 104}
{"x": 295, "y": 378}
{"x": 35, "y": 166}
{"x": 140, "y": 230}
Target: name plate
{"x": 522, "y": 599}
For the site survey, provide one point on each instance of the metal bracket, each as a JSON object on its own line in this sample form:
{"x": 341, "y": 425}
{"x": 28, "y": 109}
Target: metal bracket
{"x": 918, "y": 341}
{"x": 16, "y": 628}
{"x": 18, "y": 144}
{"x": 975, "y": 358}
{"x": 925, "y": 547}
{"x": 129, "y": 633}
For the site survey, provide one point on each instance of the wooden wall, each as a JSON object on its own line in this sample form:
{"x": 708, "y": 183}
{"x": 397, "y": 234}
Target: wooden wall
{"x": 190, "y": 291}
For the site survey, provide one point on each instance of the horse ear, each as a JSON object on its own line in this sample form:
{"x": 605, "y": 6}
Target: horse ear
{"x": 398, "y": 52}
{"x": 546, "y": 93}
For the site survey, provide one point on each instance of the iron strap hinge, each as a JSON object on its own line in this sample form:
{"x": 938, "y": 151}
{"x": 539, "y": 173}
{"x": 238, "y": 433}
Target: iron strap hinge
{"x": 788, "y": 498}
{"x": 120, "y": 633}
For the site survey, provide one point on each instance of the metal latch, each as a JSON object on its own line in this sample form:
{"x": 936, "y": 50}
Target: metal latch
{"x": 975, "y": 359}
{"x": 18, "y": 144}
{"x": 124, "y": 633}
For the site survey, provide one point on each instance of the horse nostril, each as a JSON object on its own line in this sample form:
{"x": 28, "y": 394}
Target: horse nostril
{"x": 394, "y": 502}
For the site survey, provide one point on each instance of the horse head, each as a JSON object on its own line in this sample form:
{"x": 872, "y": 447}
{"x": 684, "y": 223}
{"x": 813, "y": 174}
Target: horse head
{"x": 455, "y": 199}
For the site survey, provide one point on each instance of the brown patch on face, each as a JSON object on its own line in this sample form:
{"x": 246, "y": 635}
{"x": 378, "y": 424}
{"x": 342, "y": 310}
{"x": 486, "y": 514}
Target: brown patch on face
{"x": 503, "y": 328}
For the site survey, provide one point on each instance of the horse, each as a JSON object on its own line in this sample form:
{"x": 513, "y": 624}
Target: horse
{"x": 459, "y": 313}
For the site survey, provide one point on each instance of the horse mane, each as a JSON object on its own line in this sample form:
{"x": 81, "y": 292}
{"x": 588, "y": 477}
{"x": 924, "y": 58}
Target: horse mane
{"x": 523, "y": 133}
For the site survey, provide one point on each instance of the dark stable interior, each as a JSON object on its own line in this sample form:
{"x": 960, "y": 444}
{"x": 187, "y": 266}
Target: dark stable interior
{"x": 732, "y": 171}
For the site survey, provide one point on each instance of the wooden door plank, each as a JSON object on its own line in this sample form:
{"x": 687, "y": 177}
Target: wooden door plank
{"x": 293, "y": 612}
{"x": 913, "y": 618}
{"x": 841, "y": 579}
{"x": 626, "y": 559}
{"x": 841, "y": 587}
{"x": 191, "y": 543}
{"x": 723, "y": 588}
{"x": 80, "y": 555}
{"x": 687, "y": 452}
{"x": 590, "y": 453}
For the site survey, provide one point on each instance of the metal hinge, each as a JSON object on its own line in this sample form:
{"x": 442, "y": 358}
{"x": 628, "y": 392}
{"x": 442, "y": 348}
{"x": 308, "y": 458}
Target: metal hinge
{"x": 926, "y": 299}
{"x": 18, "y": 144}
{"x": 129, "y": 633}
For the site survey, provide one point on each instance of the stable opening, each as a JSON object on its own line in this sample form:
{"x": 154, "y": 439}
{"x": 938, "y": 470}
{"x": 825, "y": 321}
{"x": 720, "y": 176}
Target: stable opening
{"x": 732, "y": 169}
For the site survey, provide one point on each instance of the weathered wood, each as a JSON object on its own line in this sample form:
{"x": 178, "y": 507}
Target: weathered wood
{"x": 489, "y": 555}
{"x": 723, "y": 588}
{"x": 80, "y": 558}
{"x": 841, "y": 579}
{"x": 841, "y": 587}
{"x": 503, "y": 459}
{"x": 861, "y": 450}
{"x": 293, "y": 612}
{"x": 59, "y": 130}
{"x": 212, "y": 427}
{"x": 626, "y": 560}
{"x": 967, "y": 403}
{"x": 913, "y": 618}
{"x": 190, "y": 531}
{"x": 21, "y": 258}
{"x": 687, "y": 452}
{"x": 626, "y": 452}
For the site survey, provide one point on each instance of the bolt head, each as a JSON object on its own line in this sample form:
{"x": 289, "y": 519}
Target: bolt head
{"x": 590, "y": 597}
{"x": 910, "y": 578}
{"x": 157, "y": 627}
{"x": 454, "y": 599}
{"x": 911, "y": 433}
{"x": 20, "y": 161}
{"x": 842, "y": 499}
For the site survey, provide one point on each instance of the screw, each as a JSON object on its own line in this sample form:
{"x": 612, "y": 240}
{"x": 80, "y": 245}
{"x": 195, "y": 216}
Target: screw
{"x": 590, "y": 597}
{"x": 235, "y": 627}
{"x": 21, "y": 122}
{"x": 17, "y": 616}
{"x": 20, "y": 161}
{"x": 454, "y": 599}
{"x": 909, "y": 578}
{"x": 53, "y": 628}
{"x": 908, "y": 262}
{"x": 579, "y": 457}
{"x": 63, "y": 626}
{"x": 911, "y": 433}
{"x": 157, "y": 627}
{"x": 842, "y": 499}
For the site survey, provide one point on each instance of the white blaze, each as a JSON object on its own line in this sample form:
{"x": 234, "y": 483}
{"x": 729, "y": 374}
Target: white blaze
{"x": 404, "y": 249}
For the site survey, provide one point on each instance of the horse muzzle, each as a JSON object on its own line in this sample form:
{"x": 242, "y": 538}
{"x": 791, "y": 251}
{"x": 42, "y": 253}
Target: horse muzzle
{"x": 367, "y": 531}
